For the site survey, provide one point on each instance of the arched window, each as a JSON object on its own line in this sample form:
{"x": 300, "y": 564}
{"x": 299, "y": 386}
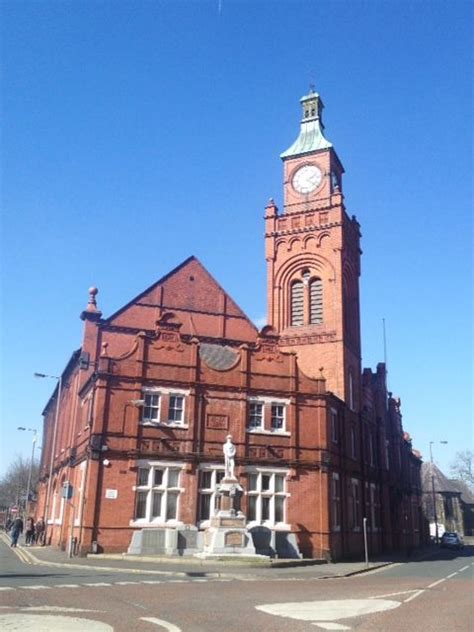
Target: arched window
{"x": 315, "y": 302}
{"x": 297, "y": 303}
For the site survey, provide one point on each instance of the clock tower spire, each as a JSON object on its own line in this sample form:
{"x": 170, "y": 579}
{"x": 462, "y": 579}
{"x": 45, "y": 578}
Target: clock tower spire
{"x": 313, "y": 260}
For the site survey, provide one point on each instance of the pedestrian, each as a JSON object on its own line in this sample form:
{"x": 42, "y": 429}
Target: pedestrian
{"x": 8, "y": 525}
{"x": 16, "y": 529}
{"x": 30, "y": 532}
{"x": 39, "y": 531}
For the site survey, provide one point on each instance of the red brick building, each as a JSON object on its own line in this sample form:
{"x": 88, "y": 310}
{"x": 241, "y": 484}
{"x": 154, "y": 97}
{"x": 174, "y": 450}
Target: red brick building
{"x": 146, "y": 403}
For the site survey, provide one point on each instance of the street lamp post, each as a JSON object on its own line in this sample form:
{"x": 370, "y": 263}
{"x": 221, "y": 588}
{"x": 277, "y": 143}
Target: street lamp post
{"x": 53, "y": 448}
{"x": 28, "y": 485}
{"x": 433, "y": 492}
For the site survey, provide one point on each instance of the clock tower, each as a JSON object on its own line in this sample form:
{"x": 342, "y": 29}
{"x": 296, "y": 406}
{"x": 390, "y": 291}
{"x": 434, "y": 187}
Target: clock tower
{"x": 313, "y": 261}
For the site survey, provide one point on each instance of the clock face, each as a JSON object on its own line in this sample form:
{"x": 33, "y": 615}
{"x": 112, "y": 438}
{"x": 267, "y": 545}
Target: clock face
{"x": 307, "y": 179}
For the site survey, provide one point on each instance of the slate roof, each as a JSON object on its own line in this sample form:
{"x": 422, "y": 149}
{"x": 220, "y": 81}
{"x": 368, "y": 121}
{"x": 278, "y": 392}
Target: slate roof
{"x": 466, "y": 494}
{"x": 441, "y": 483}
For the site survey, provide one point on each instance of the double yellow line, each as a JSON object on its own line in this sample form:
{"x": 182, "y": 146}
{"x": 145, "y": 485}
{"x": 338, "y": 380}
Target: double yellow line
{"x": 21, "y": 553}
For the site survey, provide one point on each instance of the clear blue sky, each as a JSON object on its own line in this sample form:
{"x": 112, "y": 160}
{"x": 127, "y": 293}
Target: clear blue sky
{"x": 139, "y": 133}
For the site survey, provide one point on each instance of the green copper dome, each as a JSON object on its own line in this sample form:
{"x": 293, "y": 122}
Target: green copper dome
{"x": 311, "y": 136}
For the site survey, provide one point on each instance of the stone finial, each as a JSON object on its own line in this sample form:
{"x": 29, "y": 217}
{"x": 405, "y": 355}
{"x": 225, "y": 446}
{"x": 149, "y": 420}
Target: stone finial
{"x": 91, "y": 312}
{"x": 103, "y": 353}
{"x": 92, "y": 304}
{"x": 321, "y": 373}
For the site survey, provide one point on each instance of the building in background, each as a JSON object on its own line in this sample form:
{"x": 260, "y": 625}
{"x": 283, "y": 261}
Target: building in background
{"x": 467, "y": 505}
{"x": 148, "y": 399}
{"x": 441, "y": 501}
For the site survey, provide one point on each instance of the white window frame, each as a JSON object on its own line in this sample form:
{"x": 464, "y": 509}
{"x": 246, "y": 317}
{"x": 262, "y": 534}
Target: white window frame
{"x": 62, "y": 504}
{"x": 267, "y": 404}
{"x": 151, "y": 420}
{"x": 251, "y": 427}
{"x": 335, "y": 502}
{"x": 177, "y": 422}
{"x": 52, "y": 511}
{"x": 162, "y": 392}
{"x": 149, "y": 488}
{"x": 278, "y": 417}
{"x": 208, "y": 491}
{"x": 270, "y": 494}
{"x": 80, "y": 491}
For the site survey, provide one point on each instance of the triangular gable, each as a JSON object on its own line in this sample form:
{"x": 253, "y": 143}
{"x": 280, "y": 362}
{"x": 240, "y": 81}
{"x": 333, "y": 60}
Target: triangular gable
{"x": 197, "y": 301}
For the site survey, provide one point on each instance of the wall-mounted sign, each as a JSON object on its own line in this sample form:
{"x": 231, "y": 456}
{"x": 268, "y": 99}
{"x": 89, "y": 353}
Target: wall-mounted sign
{"x": 112, "y": 494}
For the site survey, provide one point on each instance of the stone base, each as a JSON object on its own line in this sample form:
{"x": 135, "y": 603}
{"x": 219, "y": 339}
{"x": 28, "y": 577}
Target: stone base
{"x": 231, "y": 557}
{"x": 281, "y": 544}
{"x": 228, "y": 541}
{"x": 227, "y": 535}
{"x": 165, "y": 541}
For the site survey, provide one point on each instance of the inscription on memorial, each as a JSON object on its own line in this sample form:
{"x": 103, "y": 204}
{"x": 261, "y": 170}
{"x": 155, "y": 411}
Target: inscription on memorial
{"x": 234, "y": 538}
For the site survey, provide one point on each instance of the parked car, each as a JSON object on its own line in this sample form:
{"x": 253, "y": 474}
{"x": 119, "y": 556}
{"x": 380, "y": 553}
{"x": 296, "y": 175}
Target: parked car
{"x": 451, "y": 540}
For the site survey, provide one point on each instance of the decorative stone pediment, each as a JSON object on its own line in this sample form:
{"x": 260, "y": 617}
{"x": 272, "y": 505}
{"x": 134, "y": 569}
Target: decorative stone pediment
{"x": 167, "y": 333}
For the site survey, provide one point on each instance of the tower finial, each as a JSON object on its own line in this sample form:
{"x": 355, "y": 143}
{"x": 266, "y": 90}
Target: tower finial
{"x": 91, "y": 312}
{"x": 92, "y": 304}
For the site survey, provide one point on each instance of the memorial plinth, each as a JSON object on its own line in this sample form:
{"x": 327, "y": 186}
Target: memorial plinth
{"x": 227, "y": 533}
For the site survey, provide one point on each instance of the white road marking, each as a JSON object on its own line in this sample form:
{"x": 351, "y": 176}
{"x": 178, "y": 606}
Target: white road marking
{"x": 93, "y": 585}
{"x": 151, "y": 581}
{"x": 57, "y": 609}
{"x": 67, "y": 586}
{"x": 332, "y": 626}
{"x": 34, "y": 587}
{"x": 164, "y": 624}
{"x": 379, "y": 569}
{"x": 328, "y": 610}
{"x": 436, "y": 583}
{"x": 452, "y": 575}
{"x": 126, "y": 583}
{"x": 464, "y": 568}
{"x": 404, "y": 592}
{"x": 414, "y": 596}
{"x": 50, "y": 623}
{"x": 7, "y": 588}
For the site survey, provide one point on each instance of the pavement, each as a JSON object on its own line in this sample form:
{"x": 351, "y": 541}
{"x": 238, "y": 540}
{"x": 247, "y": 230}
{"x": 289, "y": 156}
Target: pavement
{"x": 193, "y": 567}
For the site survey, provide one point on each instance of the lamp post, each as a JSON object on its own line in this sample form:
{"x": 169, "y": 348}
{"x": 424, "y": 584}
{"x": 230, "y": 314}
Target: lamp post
{"x": 53, "y": 447}
{"x": 28, "y": 485}
{"x": 433, "y": 492}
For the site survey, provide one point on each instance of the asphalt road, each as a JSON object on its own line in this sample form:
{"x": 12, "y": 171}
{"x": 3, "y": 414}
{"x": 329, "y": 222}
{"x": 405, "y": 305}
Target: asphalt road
{"x": 432, "y": 595}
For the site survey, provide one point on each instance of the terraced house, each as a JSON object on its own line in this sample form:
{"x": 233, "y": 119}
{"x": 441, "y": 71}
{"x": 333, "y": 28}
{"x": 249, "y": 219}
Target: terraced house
{"x": 133, "y": 433}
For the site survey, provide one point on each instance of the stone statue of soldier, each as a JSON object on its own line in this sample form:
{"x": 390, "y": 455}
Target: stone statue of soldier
{"x": 229, "y": 457}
